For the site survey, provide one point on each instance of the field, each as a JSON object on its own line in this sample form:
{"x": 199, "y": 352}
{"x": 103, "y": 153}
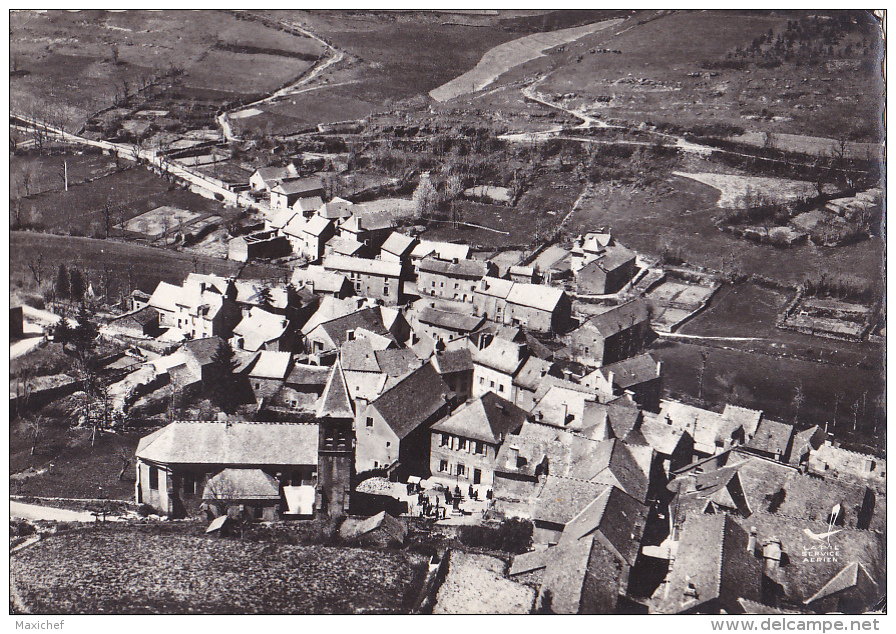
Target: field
{"x": 765, "y": 372}
{"x": 504, "y": 57}
{"x": 127, "y": 266}
{"x": 77, "y": 61}
{"x": 682, "y": 214}
{"x": 391, "y": 56}
{"x": 742, "y": 192}
{"x": 157, "y": 221}
{"x": 32, "y": 174}
{"x": 130, "y": 572}
{"x": 680, "y": 67}
{"x": 131, "y": 192}
{"x": 476, "y": 585}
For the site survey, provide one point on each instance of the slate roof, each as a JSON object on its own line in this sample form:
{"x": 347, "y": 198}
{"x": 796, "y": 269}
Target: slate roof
{"x": 234, "y": 443}
{"x": 612, "y": 258}
{"x": 560, "y": 499}
{"x": 366, "y": 318}
{"x": 315, "y": 226}
{"x": 415, "y": 398}
{"x": 663, "y": 438}
{"x": 549, "y": 258}
{"x": 804, "y": 442}
{"x": 396, "y": 362}
{"x": 612, "y": 461}
{"x": 249, "y": 292}
{"x": 532, "y": 373}
{"x": 442, "y": 250}
{"x": 449, "y": 320}
{"x": 167, "y": 297}
{"x": 346, "y": 246}
{"x": 336, "y": 262}
{"x": 713, "y": 558}
{"x": 620, "y": 318}
{"x": 465, "y": 269}
{"x": 242, "y": 484}
{"x": 494, "y": 287}
{"x": 304, "y": 374}
{"x": 204, "y": 349}
{"x": 743, "y": 416}
{"x": 273, "y": 173}
{"x": 398, "y": 244}
{"x": 501, "y": 355}
{"x": 140, "y": 318}
{"x": 358, "y": 355}
{"x": 260, "y": 327}
{"x": 619, "y": 517}
{"x": 632, "y": 371}
{"x": 772, "y": 437}
{"x": 271, "y": 365}
{"x": 323, "y": 280}
{"x": 450, "y": 361}
{"x": 565, "y": 576}
{"x": 308, "y": 204}
{"x": 336, "y": 402}
{"x": 488, "y": 418}
{"x": 300, "y": 186}
{"x": 535, "y": 296}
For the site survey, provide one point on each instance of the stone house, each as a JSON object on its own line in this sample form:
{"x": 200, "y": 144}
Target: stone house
{"x": 616, "y": 334}
{"x": 465, "y": 445}
{"x": 452, "y": 280}
{"x": 375, "y": 279}
{"x": 175, "y": 464}
{"x": 393, "y": 431}
{"x": 286, "y": 193}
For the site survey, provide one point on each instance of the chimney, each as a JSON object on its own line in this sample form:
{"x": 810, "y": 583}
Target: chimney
{"x": 751, "y": 542}
{"x": 771, "y": 553}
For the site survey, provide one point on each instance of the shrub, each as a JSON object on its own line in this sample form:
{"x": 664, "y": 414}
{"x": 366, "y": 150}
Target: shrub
{"x": 513, "y": 535}
{"x": 145, "y": 510}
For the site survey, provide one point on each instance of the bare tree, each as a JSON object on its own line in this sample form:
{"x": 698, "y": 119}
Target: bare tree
{"x": 109, "y": 212}
{"x": 36, "y": 264}
{"x": 33, "y": 428}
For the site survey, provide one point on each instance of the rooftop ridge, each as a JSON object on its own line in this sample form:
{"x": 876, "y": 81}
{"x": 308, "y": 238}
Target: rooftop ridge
{"x": 849, "y": 451}
{"x": 851, "y": 529}
{"x": 718, "y": 589}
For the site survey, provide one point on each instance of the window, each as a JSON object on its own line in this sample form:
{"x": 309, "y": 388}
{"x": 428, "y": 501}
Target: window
{"x": 492, "y": 383}
{"x": 189, "y": 484}
{"x": 444, "y": 440}
{"x": 433, "y": 283}
{"x": 481, "y": 380}
{"x": 500, "y": 388}
{"x": 385, "y": 289}
{"x": 370, "y": 421}
{"x": 461, "y": 443}
{"x": 388, "y": 444}
{"x": 456, "y": 285}
{"x": 461, "y": 469}
{"x": 154, "y": 478}
{"x": 443, "y": 466}
{"x": 376, "y": 465}
{"x": 480, "y": 447}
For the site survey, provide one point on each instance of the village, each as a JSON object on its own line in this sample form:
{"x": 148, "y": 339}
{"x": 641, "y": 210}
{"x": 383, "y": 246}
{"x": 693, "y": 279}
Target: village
{"x": 395, "y": 378}
{"x": 433, "y": 370}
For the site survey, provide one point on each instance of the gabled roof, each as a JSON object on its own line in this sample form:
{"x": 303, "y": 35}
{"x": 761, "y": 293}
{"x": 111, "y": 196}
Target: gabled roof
{"x": 367, "y": 385}
{"x": 632, "y": 371}
{"x": 613, "y": 462}
{"x": 772, "y": 437}
{"x": 357, "y": 355}
{"x": 234, "y": 443}
{"x": 250, "y": 292}
{"x": 304, "y": 374}
{"x": 450, "y": 320}
{"x": 501, "y": 355}
{"x": 620, "y": 318}
{"x": 566, "y": 574}
{"x": 315, "y": 226}
{"x": 747, "y": 418}
{"x": 414, "y": 399}
{"x": 203, "y": 350}
{"x": 242, "y": 484}
{"x": 335, "y": 209}
{"x": 274, "y": 173}
{"x": 398, "y": 244}
{"x": 396, "y": 362}
{"x": 346, "y": 246}
{"x": 141, "y": 317}
{"x": 466, "y": 269}
{"x": 336, "y": 402}
{"x": 363, "y": 220}
{"x": 319, "y": 278}
{"x": 310, "y": 186}
{"x": 167, "y": 297}
{"x": 532, "y": 373}
{"x": 281, "y": 217}
{"x": 560, "y": 499}
{"x": 535, "y": 296}
{"x": 450, "y": 361}
{"x": 488, "y": 418}
{"x": 663, "y": 438}
{"x": 271, "y": 365}
{"x": 336, "y": 262}
{"x": 442, "y": 250}
{"x": 367, "y": 318}
{"x": 494, "y": 287}
{"x": 306, "y": 205}
{"x": 712, "y": 563}
{"x": 611, "y": 259}
{"x": 618, "y": 517}
{"x": 260, "y": 327}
